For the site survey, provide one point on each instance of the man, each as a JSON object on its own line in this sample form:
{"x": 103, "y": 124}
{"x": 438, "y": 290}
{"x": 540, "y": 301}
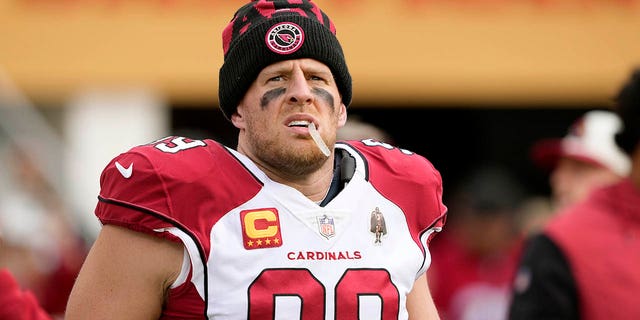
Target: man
{"x": 279, "y": 227}
{"x": 585, "y": 263}
{"x": 585, "y": 159}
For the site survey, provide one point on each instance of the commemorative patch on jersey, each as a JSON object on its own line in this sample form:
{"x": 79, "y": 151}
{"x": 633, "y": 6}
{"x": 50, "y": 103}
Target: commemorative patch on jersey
{"x": 260, "y": 228}
{"x": 285, "y": 38}
{"x": 378, "y": 225}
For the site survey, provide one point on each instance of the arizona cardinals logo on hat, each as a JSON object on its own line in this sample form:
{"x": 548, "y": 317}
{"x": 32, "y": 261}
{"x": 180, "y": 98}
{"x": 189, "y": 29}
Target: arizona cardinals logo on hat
{"x": 285, "y": 38}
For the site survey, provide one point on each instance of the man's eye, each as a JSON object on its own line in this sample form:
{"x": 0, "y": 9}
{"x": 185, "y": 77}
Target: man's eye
{"x": 277, "y": 78}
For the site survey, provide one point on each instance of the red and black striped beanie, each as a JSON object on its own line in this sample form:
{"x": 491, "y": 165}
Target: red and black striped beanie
{"x": 264, "y": 32}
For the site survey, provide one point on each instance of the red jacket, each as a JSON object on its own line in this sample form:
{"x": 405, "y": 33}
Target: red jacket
{"x": 600, "y": 239}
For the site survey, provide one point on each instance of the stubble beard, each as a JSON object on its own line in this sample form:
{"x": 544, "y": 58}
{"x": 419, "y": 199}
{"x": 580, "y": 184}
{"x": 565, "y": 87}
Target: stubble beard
{"x": 291, "y": 160}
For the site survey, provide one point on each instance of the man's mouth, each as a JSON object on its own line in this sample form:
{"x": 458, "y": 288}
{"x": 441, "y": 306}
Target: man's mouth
{"x": 299, "y": 123}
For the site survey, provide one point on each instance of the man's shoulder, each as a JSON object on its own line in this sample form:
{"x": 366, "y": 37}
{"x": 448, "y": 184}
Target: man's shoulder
{"x": 591, "y": 212}
{"x": 384, "y": 159}
{"x": 172, "y": 155}
{"x": 575, "y": 224}
{"x": 168, "y": 176}
{"x": 176, "y": 148}
{"x": 168, "y": 162}
{"x": 406, "y": 178}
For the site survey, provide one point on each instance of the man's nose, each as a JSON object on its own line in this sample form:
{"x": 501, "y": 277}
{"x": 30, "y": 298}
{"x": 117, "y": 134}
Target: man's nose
{"x": 299, "y": 90}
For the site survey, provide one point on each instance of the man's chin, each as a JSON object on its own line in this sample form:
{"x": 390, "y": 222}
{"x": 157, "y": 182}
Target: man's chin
{"x": 303, "y": 159}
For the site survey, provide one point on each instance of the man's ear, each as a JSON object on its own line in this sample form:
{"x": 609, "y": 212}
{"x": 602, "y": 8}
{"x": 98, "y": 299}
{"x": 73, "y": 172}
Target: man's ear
{"x": 237, "y": 118}
{"x": 342, "y": 116}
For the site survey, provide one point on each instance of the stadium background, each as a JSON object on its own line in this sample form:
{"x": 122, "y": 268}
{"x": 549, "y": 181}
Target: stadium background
{"x": 461, "y": 81}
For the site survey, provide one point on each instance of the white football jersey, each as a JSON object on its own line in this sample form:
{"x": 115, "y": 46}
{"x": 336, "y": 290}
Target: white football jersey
{"x": 258, "y": 249}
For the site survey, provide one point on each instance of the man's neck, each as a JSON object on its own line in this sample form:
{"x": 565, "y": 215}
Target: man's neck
{"x": 343, "y": 169}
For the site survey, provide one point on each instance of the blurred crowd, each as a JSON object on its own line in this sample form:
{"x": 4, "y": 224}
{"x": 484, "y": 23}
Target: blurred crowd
{"x": 476, "y": 262}
{"x": 39, "y": 244}
{"x": 481, "y": 264}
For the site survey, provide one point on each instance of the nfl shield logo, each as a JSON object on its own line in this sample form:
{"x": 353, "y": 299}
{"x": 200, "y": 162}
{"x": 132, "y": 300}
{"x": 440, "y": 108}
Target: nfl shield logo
{"x": 326, "y": 226}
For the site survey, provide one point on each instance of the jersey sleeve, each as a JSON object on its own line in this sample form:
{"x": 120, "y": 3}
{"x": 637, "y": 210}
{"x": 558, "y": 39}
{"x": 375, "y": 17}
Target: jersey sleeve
{"x": 409, "y": 180}
{"x": 175, "y": 182}
{"x": 161, "y": 185}
{"x": 429, "y": 213}
{"x": 133, "y": 194}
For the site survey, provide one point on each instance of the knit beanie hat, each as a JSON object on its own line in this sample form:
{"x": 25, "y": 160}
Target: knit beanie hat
{"x": 264, "y": 32}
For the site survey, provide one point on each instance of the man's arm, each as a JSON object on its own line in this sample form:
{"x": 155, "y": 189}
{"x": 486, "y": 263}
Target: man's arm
{"x": 420, "y": 303}
{"x": 126, "y": 276}
{"x": 544, "y": 287}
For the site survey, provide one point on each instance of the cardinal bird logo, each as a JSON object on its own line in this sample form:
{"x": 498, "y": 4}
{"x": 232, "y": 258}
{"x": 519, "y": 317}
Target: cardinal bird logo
{"x": 284, "y": 38}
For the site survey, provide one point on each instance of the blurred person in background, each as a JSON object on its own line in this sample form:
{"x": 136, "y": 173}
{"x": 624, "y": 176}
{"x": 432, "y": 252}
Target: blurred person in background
{"x": 358, "y": 129}
{"x": 585, "y": 159}
{"x": 585, "y": 264}
{"x": 16, "y": 303}
{"x": 40, "y": 246}
{"x": 535, "y": 211}
{"x": 475, "y": 259}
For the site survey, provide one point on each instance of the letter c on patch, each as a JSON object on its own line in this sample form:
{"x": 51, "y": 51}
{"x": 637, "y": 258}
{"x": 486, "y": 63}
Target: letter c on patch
{"x": 261, "y": 224}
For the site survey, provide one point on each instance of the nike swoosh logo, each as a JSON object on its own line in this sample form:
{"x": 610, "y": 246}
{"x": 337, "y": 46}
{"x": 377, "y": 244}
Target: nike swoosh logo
{"x": 125, "y": 172}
